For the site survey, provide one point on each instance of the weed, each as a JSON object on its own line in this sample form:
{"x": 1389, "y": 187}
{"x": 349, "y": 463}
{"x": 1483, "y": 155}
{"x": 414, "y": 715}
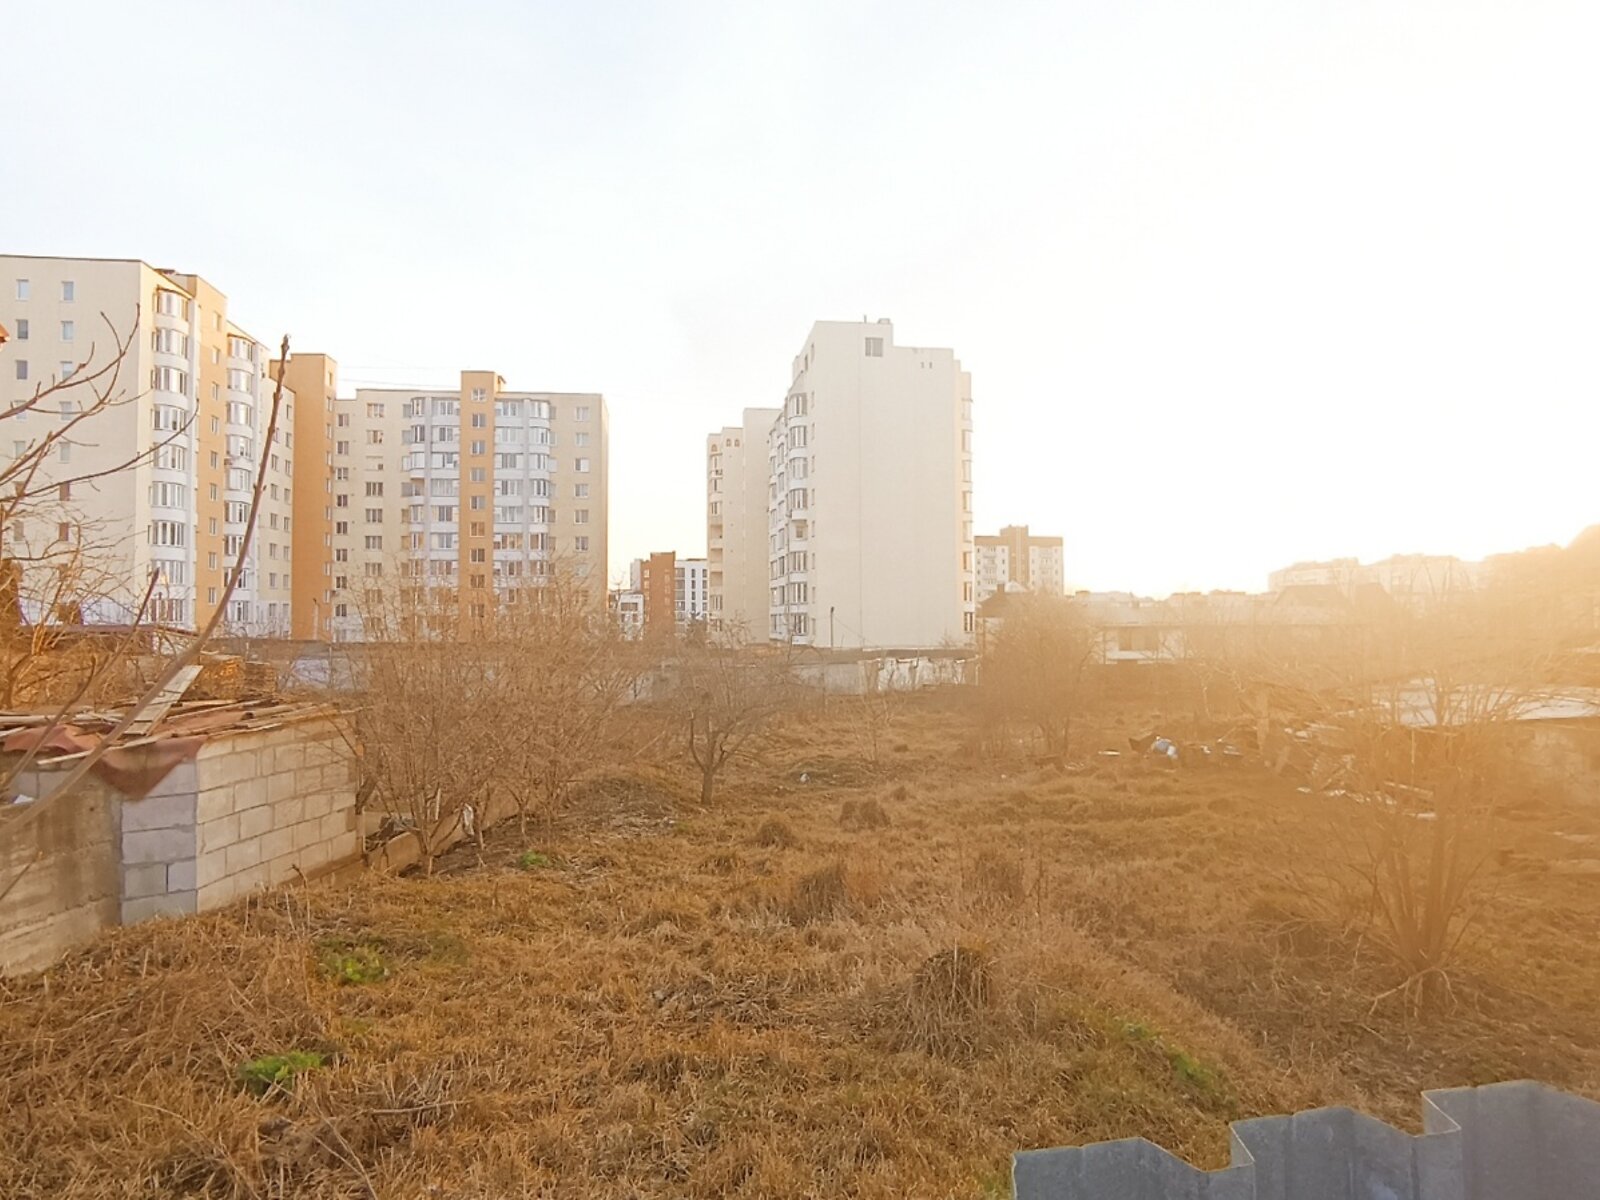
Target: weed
{"x": 997, "y": 877}
{"x": 724, "y": 862}
{"x": 946, "y": 1000}
{"x": 862, "y": 814}
{"x": 259, "y": 1076}
{"x": 357, "y": 964}
{"x": 818, "y": 895}
{"x": 775, "y": 833}
{"x": 530, "y": 860}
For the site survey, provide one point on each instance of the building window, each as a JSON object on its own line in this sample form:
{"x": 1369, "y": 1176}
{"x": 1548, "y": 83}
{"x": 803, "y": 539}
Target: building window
{"x": 374, "y": 516}
{"x": 67, "y": 368}
{"x": 69, "y": 291}
{"x": 169, "y": 379}
{"x": 480, "y": 420}
{"x": 477, "y": 448}
{"x": 22, "y": 368}
{"x": 24, "y": 289}
{"x": 374, "y": 541}
{"x": 68, "y": 329}
{"x": 580, "y": 413}
{"x": 479, "y": 395}
{"x": 875, "y": 347}
{"x": 374, "y": 437}
{"x": 580, "y": 516}
{"x": 172, "y": 304}
{"x": 581, "y": 465}
{"x": 22, "y": 329}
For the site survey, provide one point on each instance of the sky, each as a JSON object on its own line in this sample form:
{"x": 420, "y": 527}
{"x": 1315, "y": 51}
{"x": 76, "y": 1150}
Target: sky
{"x": 1238, "y": 283}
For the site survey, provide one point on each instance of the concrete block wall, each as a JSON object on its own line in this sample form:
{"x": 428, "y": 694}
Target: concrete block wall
{"x": 1503, "y": 1141}
{"x": 62, "y": 869}
{"x": 254, "y": 809}
{"x": 271, "y": 807}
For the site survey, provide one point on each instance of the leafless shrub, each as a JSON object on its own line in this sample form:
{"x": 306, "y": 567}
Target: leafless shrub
{"x": 725, "y": 701}
{"x": 947, "y": 1002}
{"x": 775, "y": 833}
{"x": 1039, "y": 667}
{"x": 821, "y": 894}
{"x": 862, "y": 814}
{"x": 997, "y": 877}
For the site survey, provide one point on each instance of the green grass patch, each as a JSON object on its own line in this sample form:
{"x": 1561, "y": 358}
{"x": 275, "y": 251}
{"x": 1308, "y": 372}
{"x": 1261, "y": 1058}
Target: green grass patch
{"x": 270, "y": 1072}
{"x": 355, "y": 964}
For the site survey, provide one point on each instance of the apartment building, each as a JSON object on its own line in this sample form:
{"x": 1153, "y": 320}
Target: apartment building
{"x": 1016, "y": 556}
{"x": 691, "y": 602}
{"x": 192, "y": 403}
{"x": 314, "y": 380}
{"x": 480, "y": 492}
{"x": 737, "y": 562}
{"x": 869, "y": 496}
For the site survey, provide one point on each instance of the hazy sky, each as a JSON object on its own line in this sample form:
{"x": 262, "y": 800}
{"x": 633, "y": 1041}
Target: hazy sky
{"x": 1238, "y": 283}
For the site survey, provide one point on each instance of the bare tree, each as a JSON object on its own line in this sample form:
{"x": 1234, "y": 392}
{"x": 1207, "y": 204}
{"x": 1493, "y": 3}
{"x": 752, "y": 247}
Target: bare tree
{"x": 724, "y": 701}
{"x": 568, "y": 672}
{"x": 1041, "y": 666}
{"x": 58, "y": 569}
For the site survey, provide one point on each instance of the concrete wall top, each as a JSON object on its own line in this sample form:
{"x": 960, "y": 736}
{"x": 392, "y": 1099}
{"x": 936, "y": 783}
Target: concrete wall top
{"x": 1503, "y": 1141}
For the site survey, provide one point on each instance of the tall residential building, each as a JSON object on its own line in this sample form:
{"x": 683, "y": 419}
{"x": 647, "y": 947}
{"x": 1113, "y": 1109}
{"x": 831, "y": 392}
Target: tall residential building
{"x": 869, "y": 495}
{"x": 314, "y": 379}
{"x": 479, "y": 492}
{"x": 691, "y": 602}
{"x": 737, "y": 560}
{"x": 194, "y": 398}
{"x": 1015, "y": 556}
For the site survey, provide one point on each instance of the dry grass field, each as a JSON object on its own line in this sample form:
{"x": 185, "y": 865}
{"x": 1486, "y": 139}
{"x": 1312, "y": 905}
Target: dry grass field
{"x": 847, "y": 978}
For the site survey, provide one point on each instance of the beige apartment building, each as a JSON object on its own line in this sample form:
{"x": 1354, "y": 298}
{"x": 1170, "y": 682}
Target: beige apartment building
{"x": 478, "y": 492}
{"x": 1016, "y": 556}
{"x": 737, "y": 481}
{"x": 868, "y": 504}
{"x": 192, "y": 402}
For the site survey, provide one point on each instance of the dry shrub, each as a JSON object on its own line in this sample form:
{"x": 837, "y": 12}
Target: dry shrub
{"x": 723, "y": 862}
{"x": 776, "y": 834}
{"x": 818, "y": 895}
{"x": 947, "y": 1002}
{"x": 997, "y": 877}
{"x": 862, "y": 814}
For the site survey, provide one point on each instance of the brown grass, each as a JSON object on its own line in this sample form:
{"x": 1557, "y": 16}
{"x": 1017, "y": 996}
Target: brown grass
{"x": 649, "y": 1020}
{"x": 862, "y": 814}
{"x": 776, "y": 834}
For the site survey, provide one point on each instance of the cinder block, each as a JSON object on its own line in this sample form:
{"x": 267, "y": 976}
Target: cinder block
{"x": 216, "y": 894}
{"x": 318, "y": 802}
{"x": 251, "y": 879}
{"x": 314, "y": 855}
{"x": 211, "y": 867}
{"x": 277, "y": 843}
{"x": 157, "y": 845}
{"x": 255, "y": 822}
{"x": 180, "y": 781}
{"x": 281, "y": 786}
{"x": 215, "y": 834}
{"x": 158, "y": 812}
{"x": 288, "y": 812}
{"x": 337, "y": 823}
{"x": 228, "y": 767}
{"x": 171, "y": 904}
{"x": 144, "y": 879}
{"x": 250, "y": 792}
{"x": 214, "y": 803}
{"x": 243, "y": 855}
{"x": 182, "y": 876}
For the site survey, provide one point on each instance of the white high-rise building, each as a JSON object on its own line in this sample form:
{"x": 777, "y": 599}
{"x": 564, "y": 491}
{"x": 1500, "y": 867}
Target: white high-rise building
{"x": 690, "y": 592}
{"x": 869, "y": 495}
